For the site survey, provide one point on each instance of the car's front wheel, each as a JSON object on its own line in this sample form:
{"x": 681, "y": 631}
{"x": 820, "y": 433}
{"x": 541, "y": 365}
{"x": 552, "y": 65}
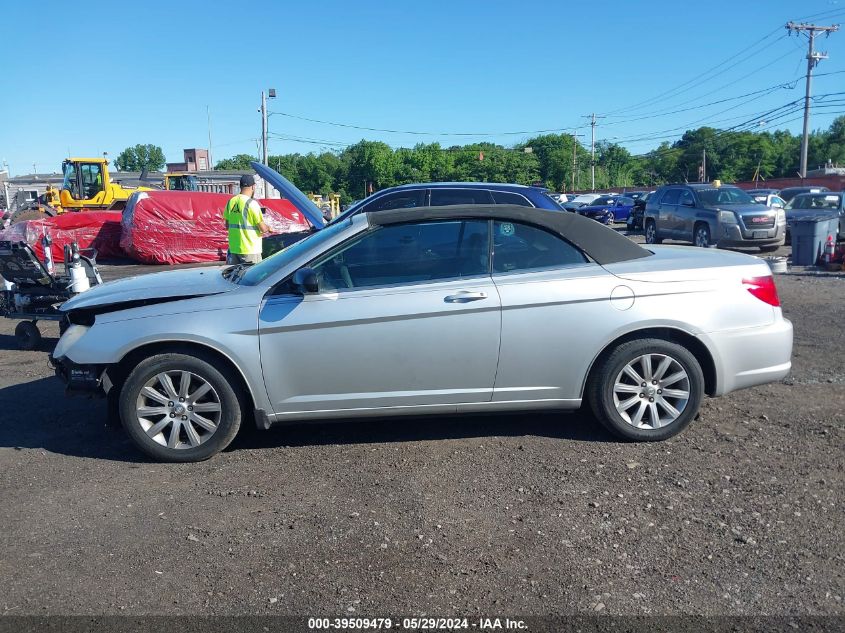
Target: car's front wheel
{"x": 646, "y": 390}
{"x": 180, "y": 408}
{"x": 701, "y": 236}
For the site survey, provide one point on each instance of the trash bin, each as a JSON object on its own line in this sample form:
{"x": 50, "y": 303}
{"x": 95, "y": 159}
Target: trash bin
{"x": 809, "y": 233}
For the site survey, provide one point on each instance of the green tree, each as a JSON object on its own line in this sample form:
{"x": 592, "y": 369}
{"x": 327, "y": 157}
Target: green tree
{"x": 140, "y": 157}
{"x": 238, "y": 162}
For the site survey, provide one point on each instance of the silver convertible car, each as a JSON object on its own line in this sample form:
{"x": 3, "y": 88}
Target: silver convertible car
{"x": 438, "y": 310}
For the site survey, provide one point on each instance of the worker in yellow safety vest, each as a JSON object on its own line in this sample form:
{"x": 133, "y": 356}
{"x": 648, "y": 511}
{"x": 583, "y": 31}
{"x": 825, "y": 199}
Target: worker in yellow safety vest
{"x": 245, "y": 225}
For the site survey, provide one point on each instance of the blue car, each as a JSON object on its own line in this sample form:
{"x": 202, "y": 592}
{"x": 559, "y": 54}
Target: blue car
{"x": 608, "y": 209}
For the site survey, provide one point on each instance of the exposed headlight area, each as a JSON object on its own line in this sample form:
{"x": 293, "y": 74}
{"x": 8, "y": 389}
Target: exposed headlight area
{"x": 727, "y": 217}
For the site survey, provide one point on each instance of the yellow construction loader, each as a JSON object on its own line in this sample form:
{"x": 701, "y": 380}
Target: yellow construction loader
{"x": 86, "y": 186}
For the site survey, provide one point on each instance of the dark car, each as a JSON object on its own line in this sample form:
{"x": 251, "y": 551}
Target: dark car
{"x": 790, "y": 192}
{"x": 432, "y": 194}
{"x": 712, "y": 214}
{"x": 441, "y": 194}
{"x": 810, "y": 204}
{"x": 608, "y": 209}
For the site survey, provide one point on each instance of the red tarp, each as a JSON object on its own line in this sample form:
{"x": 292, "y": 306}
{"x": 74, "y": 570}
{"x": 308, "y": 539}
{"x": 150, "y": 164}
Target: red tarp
{"x": 89, "y": 229}
{"x": 181, "y": 227}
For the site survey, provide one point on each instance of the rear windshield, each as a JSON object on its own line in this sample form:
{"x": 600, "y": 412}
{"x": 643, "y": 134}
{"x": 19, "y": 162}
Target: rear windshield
{"x": 723, "y": 195}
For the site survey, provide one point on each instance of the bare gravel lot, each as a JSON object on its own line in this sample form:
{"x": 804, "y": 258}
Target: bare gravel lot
{"x": 534, "y": 514}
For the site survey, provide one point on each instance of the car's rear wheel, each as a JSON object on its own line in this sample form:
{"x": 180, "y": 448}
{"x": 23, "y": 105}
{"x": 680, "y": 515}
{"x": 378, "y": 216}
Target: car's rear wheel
{"x": 701, "y": 235}
{"x": 651, "y": 233}
{"x": 180, "y": 408}
{"x": 646, "y": 390}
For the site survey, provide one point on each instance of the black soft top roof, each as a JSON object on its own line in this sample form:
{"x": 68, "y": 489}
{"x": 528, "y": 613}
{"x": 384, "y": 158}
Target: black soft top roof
{"x": 602, "y": 244}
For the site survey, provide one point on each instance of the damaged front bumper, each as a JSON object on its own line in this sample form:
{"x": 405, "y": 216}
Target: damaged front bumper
{"x": 85, "y": 380}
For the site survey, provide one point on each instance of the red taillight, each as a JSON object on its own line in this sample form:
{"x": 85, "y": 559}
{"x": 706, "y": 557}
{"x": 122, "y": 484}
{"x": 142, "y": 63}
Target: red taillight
{"x": 763, "y": 288}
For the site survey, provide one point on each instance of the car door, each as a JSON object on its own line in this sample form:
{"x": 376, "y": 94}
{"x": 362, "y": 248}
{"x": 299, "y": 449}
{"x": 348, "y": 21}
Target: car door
{"x": 685, "y": 215}
{"x": 407, "y": 316}
{"x": 556, "y": 313}
{"x": 666, "y": 218}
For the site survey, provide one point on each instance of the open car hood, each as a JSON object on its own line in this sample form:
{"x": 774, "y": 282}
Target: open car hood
{"x": 153, "y": 288}
{"x": 302, "y": 202}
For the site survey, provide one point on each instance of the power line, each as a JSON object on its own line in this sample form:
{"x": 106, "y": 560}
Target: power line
{"x": 698, "y": 79}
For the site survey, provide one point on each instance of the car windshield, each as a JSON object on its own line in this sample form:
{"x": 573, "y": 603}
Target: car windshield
{"x": 724, "y": 195}
{"x": 257, "y": 273}
{"x": 815, "y": 201}
{"x": 602, "y": 200}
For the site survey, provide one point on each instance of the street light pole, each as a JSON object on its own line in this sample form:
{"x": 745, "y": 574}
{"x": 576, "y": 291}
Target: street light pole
{"x": 263, "y": 128}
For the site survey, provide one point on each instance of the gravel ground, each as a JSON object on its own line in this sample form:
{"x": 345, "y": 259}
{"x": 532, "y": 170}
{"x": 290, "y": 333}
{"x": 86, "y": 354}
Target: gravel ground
{"x": 475, "y": 515}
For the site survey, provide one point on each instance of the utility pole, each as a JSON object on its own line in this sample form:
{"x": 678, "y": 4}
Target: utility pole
{"x": 703, "y": 165}
{"x": 813, "y": 58}
{"x": 575, "y": 136}
{"x": 593, "y": 118}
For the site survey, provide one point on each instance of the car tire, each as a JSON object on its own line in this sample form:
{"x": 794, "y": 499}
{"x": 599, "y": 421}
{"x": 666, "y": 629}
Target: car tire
{"x": 614, "y": 395}
{"x": 651, "y": 236}
{"x": 701, "y": 235}
{"x": 27, "y": 335}
{"x": 610, "y": 218}
{"x": 208, "y": 397}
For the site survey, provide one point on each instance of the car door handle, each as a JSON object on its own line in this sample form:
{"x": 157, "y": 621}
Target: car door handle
{"x": 465, "y": 297}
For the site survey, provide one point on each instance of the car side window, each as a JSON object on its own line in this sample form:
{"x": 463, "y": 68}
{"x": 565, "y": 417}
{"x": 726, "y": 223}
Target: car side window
{"x": 686, "y": 198}
{"x": 519, "y": 247}
{"x": 402, "y": 254}
{"x": 508, "y": 197}
{"x": 671, "y": 196}
{"x": 447, "y": 197}
{"x": 407, "y": 199}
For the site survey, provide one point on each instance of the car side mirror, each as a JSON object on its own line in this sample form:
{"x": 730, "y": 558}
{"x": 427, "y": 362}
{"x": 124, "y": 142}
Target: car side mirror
{"x": 305, "y": 280}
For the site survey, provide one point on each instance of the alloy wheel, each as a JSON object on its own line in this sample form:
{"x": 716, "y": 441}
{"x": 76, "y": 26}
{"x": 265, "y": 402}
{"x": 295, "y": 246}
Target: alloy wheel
{"x": 651, "y": 391}
{"x": 178, "y": 409}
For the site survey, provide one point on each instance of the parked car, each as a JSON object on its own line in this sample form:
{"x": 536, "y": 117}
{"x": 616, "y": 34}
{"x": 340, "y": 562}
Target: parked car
{"x": 635, "y": 218}
{"x": 768, "y": 199}
{"x": 438, "y": 194}
{"x": 427, "y": 310}
{"x": 409, "y": 197}
{"x": 712, "y": 214}
{"x": 560, "y": 198}
{"x": 790, "y": 192}
{"x": 608, "y": 209}
{"x": 809, "y": 204}
{"x": 636, "y": 195}
{"x": 581, "y": 200}
{"x": 762, "y": 192}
